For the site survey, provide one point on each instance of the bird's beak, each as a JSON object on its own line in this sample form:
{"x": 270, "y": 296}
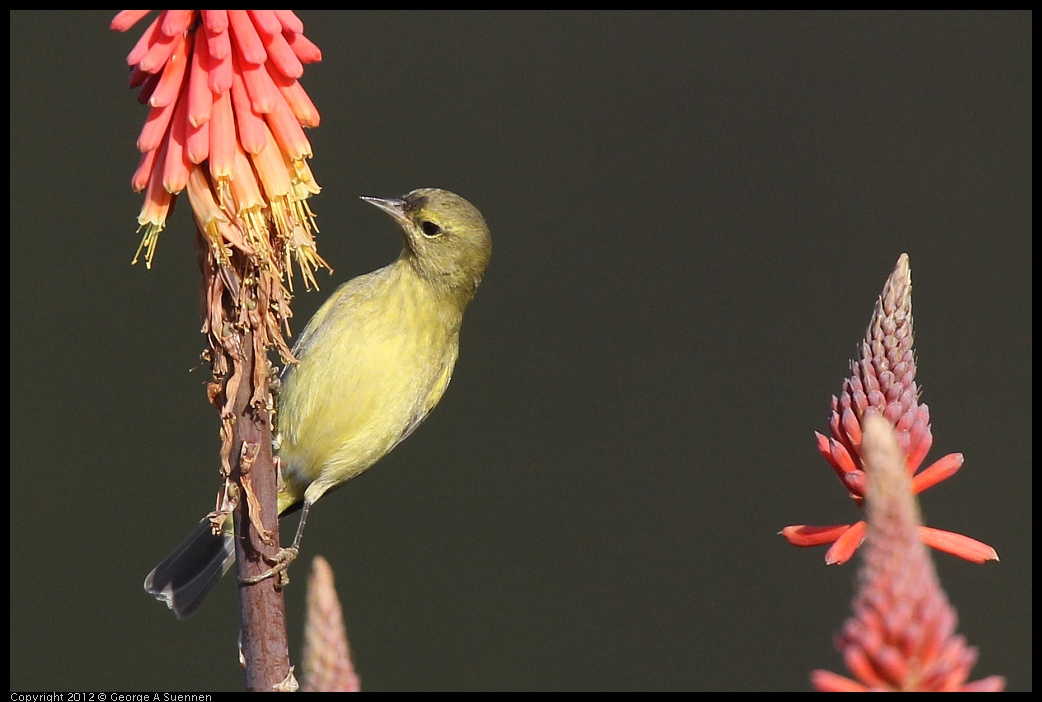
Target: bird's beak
{"x": 393, "y": 206}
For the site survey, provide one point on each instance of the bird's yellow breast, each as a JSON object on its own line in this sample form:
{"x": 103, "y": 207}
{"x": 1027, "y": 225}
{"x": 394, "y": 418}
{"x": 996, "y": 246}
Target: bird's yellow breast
{"x": 374, "y": 360}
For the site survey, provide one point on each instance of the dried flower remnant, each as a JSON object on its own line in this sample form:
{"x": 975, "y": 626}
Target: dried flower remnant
{"x": 902, "y": 635}
{"x": 327, "y": 657}
{"x": 882, "y": 383}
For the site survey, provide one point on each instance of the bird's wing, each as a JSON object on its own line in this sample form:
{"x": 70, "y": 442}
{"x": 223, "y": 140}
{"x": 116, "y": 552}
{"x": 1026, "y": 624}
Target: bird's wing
{"x": 437, "y": 390}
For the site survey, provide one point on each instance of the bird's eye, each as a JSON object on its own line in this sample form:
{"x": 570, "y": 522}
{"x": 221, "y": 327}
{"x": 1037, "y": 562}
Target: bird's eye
{"x": 430, "y": 228}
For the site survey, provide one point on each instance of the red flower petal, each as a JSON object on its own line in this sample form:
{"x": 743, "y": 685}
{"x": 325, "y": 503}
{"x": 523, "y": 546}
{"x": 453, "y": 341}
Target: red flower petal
{"x": 920, "y": 439}
{"x": 169, "y": 86}
{"x": 222, "y": 137}
{"x": 957, "y": 545}
{"x": 304, "y": 50}
{"x": 215, "y": 21}
{"x": 846, "y": 544}
{"x": 259, "y": 86}
{"x": 176, "y": 167}
{"x": 125, "y": 19}
{"x": 297, "y": 99}
{"x": 288, "y": 134}
{"x": 803, "y": 535}
{"x": 281, "y": 56}
{"x": 265, "y": 21}
{"x": 141, "y": 47}
{"x": 827, "y": 681}
{"x": 200, "y": 97}
{"x": 246, "y": 38}
{"x": 940, "y": 470}
{"x": 289, "y": 20}
{"x": 155, "y": 128}
{"x": 176, "y": 22}
{"x": 143, "y": 174}
{"x": 251, "y": 126}
{"x": 159, "y": 52}
{"x": 197, "y": 142}
{"x": 218, "y": 43}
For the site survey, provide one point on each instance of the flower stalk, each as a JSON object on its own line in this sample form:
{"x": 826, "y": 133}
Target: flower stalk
{"x": 225, "y": 124}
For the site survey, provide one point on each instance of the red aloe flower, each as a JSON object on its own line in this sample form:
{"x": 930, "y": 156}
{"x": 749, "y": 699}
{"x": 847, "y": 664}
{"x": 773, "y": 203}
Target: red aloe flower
{"x": 226, "y": 121}
{"x": 902, "y": 635}
{"x": 226, "y": 124}
{"x": 882, "y": 383}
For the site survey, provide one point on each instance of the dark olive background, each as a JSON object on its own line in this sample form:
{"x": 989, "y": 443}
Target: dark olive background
{"x": 693, "y": 215}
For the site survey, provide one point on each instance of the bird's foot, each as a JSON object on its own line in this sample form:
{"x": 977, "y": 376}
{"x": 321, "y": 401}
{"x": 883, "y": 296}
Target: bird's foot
{"x": 280, "y": 565}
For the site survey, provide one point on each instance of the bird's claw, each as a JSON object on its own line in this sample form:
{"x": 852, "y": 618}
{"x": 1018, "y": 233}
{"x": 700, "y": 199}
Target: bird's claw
{"x": 280, "y": 565}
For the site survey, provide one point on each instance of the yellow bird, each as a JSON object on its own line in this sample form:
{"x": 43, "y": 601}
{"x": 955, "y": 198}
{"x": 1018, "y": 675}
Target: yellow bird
{"x": 374, "y": 361}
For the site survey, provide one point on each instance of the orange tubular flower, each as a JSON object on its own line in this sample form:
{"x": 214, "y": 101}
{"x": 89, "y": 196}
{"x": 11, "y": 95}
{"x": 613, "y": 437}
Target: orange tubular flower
{"x": 225, "y": 123}
{"x": 226, "y": 108}
{"x": 902, "y": 635}
{"x": 882, "y": 383}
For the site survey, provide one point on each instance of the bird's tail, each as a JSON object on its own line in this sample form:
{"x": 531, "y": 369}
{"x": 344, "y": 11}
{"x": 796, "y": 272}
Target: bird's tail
{"x": 192, "y": 570}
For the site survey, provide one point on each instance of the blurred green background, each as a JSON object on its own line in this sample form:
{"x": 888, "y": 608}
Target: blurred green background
{"x": 693, "y": 215}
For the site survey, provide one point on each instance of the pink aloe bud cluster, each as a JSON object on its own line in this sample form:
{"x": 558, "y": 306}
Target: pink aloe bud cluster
{"x": 327, "y": 658}
{"x": 902, "y": 635}
{"x": 882, "y": 384}
{"x": 225, "y": 123}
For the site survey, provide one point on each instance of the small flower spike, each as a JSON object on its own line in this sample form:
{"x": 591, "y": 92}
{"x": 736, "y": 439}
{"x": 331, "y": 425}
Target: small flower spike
{"x": 882, "y": 384}
{"x": 901, "y": 637}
